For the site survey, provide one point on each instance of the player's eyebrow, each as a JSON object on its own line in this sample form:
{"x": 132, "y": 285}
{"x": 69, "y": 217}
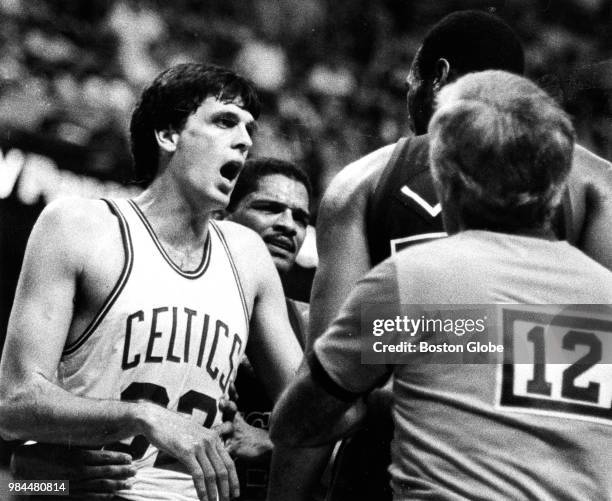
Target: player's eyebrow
{"x": 251, "y": 125}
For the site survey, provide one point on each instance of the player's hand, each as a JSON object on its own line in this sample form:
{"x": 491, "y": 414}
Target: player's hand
{"x": 93, "y": 474}
{"x": 200, "y": 449}
{"x": 249, "y": 443}
{"x": 233, "y": 393}
{"x": 228, "y": 409}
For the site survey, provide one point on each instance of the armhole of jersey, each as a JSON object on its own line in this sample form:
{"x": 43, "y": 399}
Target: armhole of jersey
{"x": 235, "y": 271}
{"x": 119, "y": 285}
{"x": 380, "y": 192}
{"x": 388, "y": 170}
{"x": 296, "y": 321}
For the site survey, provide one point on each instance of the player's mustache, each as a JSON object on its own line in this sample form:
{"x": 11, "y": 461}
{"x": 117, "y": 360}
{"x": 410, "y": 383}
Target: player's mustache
{"x": 281, "y": 240}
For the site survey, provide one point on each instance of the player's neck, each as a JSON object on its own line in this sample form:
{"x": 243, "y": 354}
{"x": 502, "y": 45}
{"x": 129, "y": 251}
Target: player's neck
{"x": 175, "y": 218}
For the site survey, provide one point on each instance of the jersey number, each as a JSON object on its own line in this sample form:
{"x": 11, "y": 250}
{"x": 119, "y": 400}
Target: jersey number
{"x": 540, "y": 386}
{"x": 557, "y": 363}
{"x": 157, "y": 394}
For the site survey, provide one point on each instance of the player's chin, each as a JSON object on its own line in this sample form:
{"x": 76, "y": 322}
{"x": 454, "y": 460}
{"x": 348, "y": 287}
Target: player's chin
{"x": 220, "y": 198}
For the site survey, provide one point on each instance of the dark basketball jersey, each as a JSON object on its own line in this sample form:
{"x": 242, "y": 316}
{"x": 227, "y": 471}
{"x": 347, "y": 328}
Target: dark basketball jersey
{"x": 404, "y": 209}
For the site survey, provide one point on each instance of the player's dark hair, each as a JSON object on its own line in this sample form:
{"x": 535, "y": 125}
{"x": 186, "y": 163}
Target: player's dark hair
{"x": 501, "y": 151}
{"x": 172, "y": 97}
{"x": 470, "y": 40}
{"x": 255, "y": 169}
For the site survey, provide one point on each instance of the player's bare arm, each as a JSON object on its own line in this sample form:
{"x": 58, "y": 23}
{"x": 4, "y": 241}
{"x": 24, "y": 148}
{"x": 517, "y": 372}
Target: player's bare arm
{"x": 65, "y": 274}
{"x": 272, "y": 348}
{"x": 33, "y": 406}
{"x": 304, "y": 413}
{"x": 341, "y": 237}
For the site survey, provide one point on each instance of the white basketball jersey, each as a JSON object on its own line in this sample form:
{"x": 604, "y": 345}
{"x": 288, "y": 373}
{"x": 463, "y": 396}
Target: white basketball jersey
{"x": 165, "y": 335}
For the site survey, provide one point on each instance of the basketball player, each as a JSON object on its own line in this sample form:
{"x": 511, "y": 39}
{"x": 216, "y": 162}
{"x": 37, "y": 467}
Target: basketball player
{"x": 501, "y": 151}
{"x": 366, "y": 207}
{"x": 271, "y": 197}
{"x": 131, "y": 316}
{"x": 385, "y": 201}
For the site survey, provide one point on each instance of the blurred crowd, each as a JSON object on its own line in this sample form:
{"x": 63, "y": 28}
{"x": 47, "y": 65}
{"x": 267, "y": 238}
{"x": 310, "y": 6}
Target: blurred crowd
{"x": 331, "y": 72}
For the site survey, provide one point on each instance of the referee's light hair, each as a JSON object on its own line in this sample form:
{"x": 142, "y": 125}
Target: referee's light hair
{"x": 501, "y": 150}
{"x": 173, "y": 96}
{"x": 470, "y": 40}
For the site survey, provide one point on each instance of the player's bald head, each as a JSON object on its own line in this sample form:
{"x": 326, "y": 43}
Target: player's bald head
{"x": 501, "y": 150}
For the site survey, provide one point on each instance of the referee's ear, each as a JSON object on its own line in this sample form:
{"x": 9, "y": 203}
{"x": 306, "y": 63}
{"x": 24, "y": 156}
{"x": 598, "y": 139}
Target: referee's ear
{"x": 441, "y": 74}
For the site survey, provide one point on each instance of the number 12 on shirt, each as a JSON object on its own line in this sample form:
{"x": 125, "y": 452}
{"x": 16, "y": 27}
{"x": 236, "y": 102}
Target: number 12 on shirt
{"x": 557, "y": 361}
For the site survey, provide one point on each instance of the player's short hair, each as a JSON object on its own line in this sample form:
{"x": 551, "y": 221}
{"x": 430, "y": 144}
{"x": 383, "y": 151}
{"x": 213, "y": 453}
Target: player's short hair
{"x": 470, "y": 40}
{"x": 501, "y": 150}
{"x": 255, "y": 169}
{"x": 172, "y": 97}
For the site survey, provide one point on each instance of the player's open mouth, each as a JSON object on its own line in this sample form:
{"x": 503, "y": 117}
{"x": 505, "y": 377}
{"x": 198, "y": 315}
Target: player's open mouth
{"x": 230, "y": 170}
{"x": 281, "y": 242}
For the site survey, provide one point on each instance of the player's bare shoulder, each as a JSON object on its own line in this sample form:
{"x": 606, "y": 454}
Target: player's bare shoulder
{"x": 587, "y": 161}
{"x": 249, "y": 254}
{"x": 351, "y": 188}
{"x": 78, "y": 226}
{"x": 590, "y": 171}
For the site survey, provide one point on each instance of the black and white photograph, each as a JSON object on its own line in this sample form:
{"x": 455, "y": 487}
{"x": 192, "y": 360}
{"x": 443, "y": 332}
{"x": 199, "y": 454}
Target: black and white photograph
{"x": 306, "y": 250}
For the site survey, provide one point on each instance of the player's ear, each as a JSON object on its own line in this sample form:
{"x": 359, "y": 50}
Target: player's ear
{"x": 442, "y": 73}
{"x": 167, "y": 139}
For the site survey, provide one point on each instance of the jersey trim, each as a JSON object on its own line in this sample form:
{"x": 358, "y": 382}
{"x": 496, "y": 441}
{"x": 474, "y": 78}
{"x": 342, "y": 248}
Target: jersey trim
{"x": 126, "y": 240}
{"x": 202, "y": 267}
{"x": 325, "y": 381}
{"x": 235, "y": 271}
{"x": 432, "y": 210}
